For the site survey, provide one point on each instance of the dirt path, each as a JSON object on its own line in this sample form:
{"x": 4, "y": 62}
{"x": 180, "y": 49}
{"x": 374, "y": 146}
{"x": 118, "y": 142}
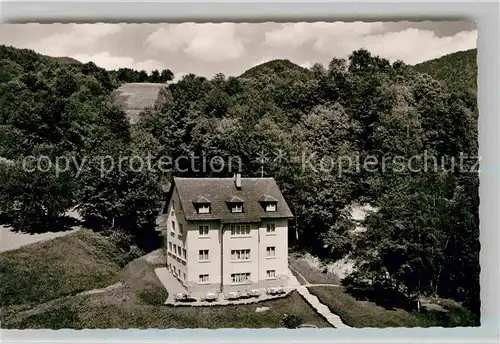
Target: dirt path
{"x": 102, "y": 290}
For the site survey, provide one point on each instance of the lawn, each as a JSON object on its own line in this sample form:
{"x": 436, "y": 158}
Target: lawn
{"x": 93, "y": 311}
{"x": 362, "y": 313}
{"x": 63, "y": 266}
{"x": 137, "y": 303}
{"x": 310, "y": 273}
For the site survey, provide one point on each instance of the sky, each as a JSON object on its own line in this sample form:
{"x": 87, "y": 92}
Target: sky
{"x": 231, "y": 48}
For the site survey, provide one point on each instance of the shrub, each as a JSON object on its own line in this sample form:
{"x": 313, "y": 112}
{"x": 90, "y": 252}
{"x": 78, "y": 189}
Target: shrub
{"x": 135, "y": 252}
{"x": 153, "y": 295}
{"x": 120, "y": 238}
{"x": 292, "y": 321}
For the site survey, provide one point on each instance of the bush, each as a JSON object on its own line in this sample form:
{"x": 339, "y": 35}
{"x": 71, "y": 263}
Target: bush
{"x": 292, "y": 321}
{"x": 153, "y": 295}
{"x": 120, "y": 238}
{"x": 135, "y": 252}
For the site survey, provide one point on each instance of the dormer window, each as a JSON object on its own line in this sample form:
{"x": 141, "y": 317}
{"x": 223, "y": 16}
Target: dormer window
{"x": 235, "y": 204}
{"x": 203, "y": 208}
{"x": 271, "y": 206}
{"x": 237, "y": 208}
{"x": 268, "y": 203}
{"x": 202, "y": 205}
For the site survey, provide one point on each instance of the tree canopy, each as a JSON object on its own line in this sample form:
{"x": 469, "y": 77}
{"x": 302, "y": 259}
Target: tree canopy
{"x": 313, "y": 130}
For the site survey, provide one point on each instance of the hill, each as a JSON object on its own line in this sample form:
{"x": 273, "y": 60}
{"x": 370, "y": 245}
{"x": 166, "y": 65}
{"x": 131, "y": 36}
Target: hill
{"x": 64, "y": 59}
{"x": 278, "y": 66}
{"x": 458, "y": 70}
{"x": 63, "y": 266}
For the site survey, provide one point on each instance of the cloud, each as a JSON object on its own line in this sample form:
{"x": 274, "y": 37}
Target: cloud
{"x": 414, "y": 45}
{"x": 206, "y": 42}
{"x": 110, "y": 62}
{"x": 340, "y": 39}
{"x": 307, "y": 64}
{"x": 78, "y": 36}
{"x": 293, "y": 35}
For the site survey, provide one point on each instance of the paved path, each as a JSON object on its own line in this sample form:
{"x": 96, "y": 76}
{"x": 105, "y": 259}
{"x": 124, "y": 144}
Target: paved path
{"x": 322, "y": 309}
{"x": 171, "y": 284}
{"x": 333, "y": 319}
{"x": 10, "y": 240}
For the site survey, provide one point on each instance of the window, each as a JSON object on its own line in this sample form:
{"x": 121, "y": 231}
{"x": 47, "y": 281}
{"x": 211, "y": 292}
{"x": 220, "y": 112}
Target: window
{"x": 203, "y": 255}
{"x": 173, "y": 225}
{"x": 172, "y": 233}
{"x": 179, "y": 250}
{"x": 271, "y": 207}
{"x": 240, "y": 229}
{"x": 203, "y": 230}
{"x": 184, "y": 253}
{"x": 184, "y": 276}
{"x": 271, "y": 274}
{"x": 173, "y": 208}
{"x": 170, "y": 246}
{"x": 240, "y": 254}
{"x": 270, "y": 227}
{"x": 203, "y": 209}
{"x": 203, "y": 278}
{"x": 175, "y": 248}
{"x": 181, "y": 230}
{"x": 237, "y": 208}
{"x": 240, "y": 277}
{"x": 270, "y": 251}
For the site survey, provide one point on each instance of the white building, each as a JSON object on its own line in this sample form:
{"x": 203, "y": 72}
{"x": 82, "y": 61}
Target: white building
{"x": 224, "y": 234}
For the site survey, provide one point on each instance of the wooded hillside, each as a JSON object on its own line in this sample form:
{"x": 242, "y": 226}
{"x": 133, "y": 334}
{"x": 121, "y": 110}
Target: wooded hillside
{"x": 313, "y": 130}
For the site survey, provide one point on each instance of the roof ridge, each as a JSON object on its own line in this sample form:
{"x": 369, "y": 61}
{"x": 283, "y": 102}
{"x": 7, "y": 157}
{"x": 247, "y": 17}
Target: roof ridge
{"x": 222, "y": 178}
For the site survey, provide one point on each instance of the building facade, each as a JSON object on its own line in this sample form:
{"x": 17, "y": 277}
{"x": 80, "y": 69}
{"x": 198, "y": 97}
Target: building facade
{"x": 226, "y": 234}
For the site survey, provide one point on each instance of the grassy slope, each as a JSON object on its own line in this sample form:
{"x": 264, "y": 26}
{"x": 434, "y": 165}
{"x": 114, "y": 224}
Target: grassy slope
{"x": 139, "y": 304}
{"x": 359, "y": 313}
{"x": 136, "y": 97}
{"x": 458, "y": 70}
{"x": 64, "y": 266}
{"x": 363, "y": 313}
{"x": 113, "y": 310}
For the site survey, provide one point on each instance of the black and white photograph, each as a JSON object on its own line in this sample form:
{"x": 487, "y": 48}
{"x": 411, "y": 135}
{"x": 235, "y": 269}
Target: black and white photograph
{"x": 239, "y": 175}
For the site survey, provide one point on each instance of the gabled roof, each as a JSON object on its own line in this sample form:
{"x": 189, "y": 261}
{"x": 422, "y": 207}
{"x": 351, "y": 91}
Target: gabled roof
{"x": 234, "y": 199}
{"x": 267, "y": 198}
{"x": 201, "y": 199}
{"x": 219, "y": 190}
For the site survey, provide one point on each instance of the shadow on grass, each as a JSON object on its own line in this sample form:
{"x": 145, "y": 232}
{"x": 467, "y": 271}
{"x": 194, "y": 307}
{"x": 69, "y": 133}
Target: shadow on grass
{"x": 383, "y": 297}
{"x": 392, "y": 300}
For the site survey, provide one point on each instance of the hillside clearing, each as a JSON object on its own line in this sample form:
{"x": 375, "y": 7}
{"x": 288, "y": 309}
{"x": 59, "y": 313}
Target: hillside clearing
{"x": 136, "y": 97}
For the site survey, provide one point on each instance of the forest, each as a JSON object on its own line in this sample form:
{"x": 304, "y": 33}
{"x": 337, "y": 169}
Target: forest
{"x": 424, "y": 240}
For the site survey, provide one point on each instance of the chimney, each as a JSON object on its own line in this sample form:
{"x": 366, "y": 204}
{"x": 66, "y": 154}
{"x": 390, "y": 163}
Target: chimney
{"x": 237, "y": 181}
